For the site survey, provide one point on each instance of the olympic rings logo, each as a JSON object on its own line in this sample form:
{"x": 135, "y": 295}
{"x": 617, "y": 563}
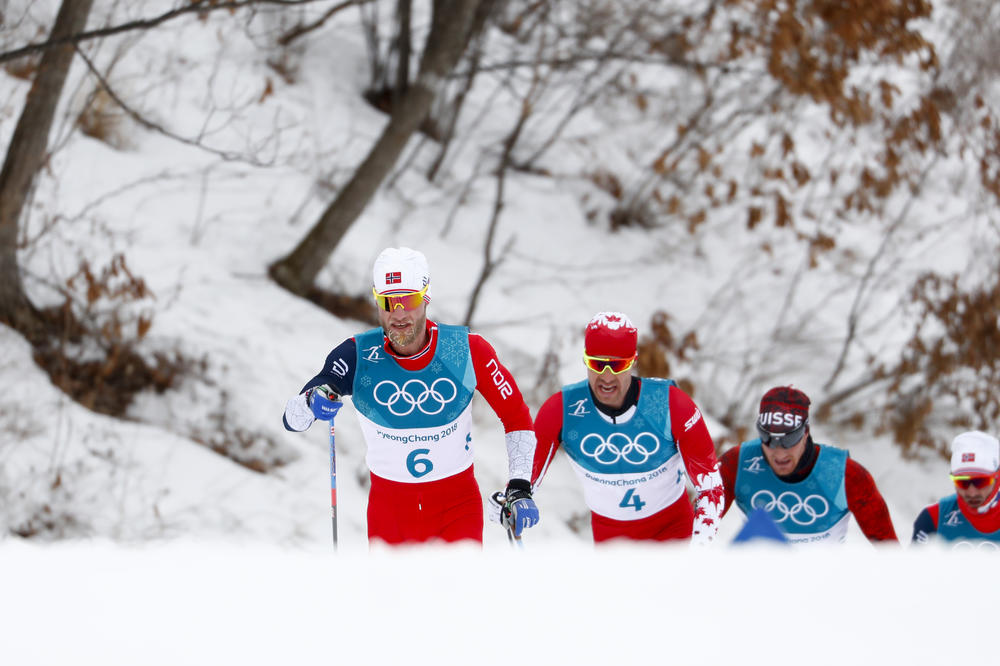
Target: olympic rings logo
{"x": 620, "y": 446}
{"x": 975, "y": 545}
{"x": 415, "y": 394}
{"x": 791, "y": 507}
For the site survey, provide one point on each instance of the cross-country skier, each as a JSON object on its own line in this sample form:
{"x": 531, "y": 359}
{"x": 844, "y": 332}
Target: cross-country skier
{"x": 412, "y": 382}
{"x": 970, "y": 518}
{"x": 630, "y": 441}
{"x": 808, "y": 489}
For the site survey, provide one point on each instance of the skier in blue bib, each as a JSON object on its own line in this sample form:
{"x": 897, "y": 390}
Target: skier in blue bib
{"x": 970, "y": 518}
{"x": 809, "y": 490}
{"x": 412, "y": 382}
{"x": 634, "y": 442}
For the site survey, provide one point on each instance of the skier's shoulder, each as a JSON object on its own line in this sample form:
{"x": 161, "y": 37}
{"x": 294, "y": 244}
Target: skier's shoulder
{"x": 731, "y": 455}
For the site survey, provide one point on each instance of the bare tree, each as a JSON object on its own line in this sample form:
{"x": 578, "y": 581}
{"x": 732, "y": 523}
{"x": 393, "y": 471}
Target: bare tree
{"x": 26, "y": 156}
{"x": 447, "y": 39}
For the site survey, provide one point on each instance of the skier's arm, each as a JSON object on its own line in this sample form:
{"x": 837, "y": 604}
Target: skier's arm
{"x": 729, "y": 464}
{"x": 337, "y": 373}
{"x": 548, "y": 430}
{"x": 867, "y": 504}
{"x": 495, "y": 383}
{"x": 926, "y": 524}
{"x": 698, "y": 453}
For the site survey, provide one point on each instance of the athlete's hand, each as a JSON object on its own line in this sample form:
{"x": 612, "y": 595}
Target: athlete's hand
{"x": 323, "y": 402}
{"x": 494, "y": 507}
{"x": 519, "y": 510}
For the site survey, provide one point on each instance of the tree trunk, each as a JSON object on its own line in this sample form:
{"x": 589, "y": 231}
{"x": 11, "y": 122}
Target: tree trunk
{"x": 450, "y": 25}
{"x": 404, "y": 11}
{"x": 483, "y": 12}
{"x": 25, "y": 157}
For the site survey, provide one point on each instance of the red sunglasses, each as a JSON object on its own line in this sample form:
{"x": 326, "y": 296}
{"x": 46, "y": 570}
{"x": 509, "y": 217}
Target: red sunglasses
{"x": 964, "y": 482}
{"x": 601, "y": 363}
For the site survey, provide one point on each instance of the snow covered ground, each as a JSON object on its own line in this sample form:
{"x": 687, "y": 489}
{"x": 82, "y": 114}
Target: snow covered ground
{"x": 250, "y": 603}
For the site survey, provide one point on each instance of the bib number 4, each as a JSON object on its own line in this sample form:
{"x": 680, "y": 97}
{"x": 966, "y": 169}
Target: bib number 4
{"x": 632, "y": 500}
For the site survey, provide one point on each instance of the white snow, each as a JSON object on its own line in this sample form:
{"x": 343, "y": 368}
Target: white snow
{"x": 244, "y": 603}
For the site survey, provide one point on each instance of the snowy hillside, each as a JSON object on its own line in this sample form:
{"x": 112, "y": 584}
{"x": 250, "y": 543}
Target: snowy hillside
{"x": 200, "y": 224}
{"x": 149, "y": 547}
{"x": 201, "y": 230}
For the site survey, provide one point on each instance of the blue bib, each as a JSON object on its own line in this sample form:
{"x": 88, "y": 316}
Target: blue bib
{"x": 394, "y": 397}
{"x": 812, "y": 506}
{"x": 953, "y": 526}
{"x": 642, "y": 444}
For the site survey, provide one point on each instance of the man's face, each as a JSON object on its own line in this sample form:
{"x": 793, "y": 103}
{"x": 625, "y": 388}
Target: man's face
{"x": 609, "y": 388}
{"x": 784, "y": 461}
{"x": 976, "y": 497}
{"x": 405, "y": 328}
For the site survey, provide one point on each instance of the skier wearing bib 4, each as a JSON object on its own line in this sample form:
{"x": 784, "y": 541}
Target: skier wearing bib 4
{"x": 970, "y": 518}
{"x": 809, "y": 490}
{"x": 412, "y": 383}
{"x": 630, "y": 442}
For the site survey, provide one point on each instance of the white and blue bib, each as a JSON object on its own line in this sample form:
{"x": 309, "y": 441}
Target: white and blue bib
{"x": 628, "y": 470}
{"x": 954, "y": 527}
{"x": 811, "y": 510}
{"x": 417, "y": 424}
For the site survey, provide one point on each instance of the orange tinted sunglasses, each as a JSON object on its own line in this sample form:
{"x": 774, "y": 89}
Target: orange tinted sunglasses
{"x": 616, "y": 365}
{"x": 964, "y": 482}
{"x": 407, "y": 301}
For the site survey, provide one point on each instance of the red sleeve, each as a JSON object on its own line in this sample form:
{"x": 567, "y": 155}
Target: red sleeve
{"x": 691, "y": 434}
{"x": 730, "y": 462}
{"x": 548, "y": 428}
{"x": 496, "y": 384}
{"x": 867, "y": 504}
{"x": 698, "y": 453}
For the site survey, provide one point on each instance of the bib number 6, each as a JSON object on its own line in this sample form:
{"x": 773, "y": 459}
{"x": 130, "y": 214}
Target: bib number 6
{"x": 418, "y": 464}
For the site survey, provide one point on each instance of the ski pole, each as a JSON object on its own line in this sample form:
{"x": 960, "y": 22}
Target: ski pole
{"x": 515, "y": 541}
{"x": 333, "y": 482}
{"x": 336, "y": 405}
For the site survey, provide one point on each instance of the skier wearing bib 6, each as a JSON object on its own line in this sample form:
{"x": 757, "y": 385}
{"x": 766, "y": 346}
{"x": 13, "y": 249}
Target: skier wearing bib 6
{"x": 412, "y": 382}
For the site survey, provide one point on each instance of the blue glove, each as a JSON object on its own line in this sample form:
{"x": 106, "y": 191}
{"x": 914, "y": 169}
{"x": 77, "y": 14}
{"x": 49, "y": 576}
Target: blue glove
{"x": 520, "y": 511}
{"x": 323, "y": 402}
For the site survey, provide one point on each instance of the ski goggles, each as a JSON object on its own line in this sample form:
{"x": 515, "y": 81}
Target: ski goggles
{"x": 782, "y": 440}
{"x": 965, "y": 481}
{"x": 616, "y": 365}
{"x": 410, "y": 300}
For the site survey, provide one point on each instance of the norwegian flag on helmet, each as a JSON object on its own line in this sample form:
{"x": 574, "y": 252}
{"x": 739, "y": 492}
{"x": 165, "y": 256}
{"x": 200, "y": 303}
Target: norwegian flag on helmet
{"x": 394, "y": 277}
{"x": 968, "y": 457}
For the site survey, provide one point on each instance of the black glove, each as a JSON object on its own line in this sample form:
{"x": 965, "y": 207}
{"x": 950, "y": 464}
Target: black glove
{"x": 519, "y": 510}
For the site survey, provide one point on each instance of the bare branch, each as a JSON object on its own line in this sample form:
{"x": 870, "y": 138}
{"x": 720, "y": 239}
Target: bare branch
{"x": 195, "y": 6}
{"x": 148, "y": 124}
{"x": 865, "y": 284}
{"x": 300, "y": 29}
{"x": 506, "y": 161}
